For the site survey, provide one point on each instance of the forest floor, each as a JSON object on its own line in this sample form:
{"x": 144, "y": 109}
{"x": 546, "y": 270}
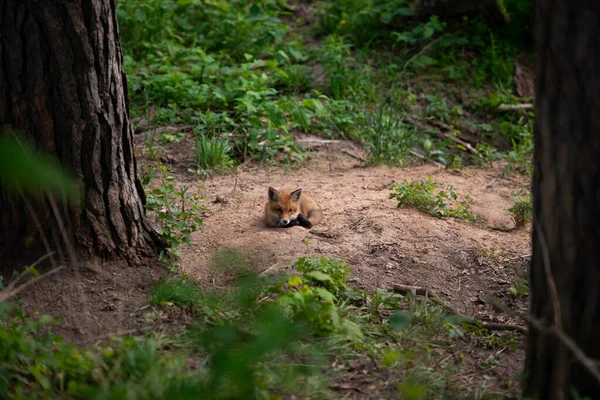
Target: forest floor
{"x": 477, "y": 267}
{"x": 471, "y": 265}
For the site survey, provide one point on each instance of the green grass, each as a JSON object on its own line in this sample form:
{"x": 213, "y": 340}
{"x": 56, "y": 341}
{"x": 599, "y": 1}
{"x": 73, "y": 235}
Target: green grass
{"x": 182, "y": 292}
{"x": 428, "y": 197}
{"x": 213, "y": 153}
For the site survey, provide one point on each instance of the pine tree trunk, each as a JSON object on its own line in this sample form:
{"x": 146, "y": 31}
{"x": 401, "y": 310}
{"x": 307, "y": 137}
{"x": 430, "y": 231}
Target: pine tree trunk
{"x": 566, "y": 192}
{"x": 62, "y": 84}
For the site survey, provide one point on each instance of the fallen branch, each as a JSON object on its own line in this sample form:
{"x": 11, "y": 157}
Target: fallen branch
{"x": 506, "y": 107}
{"x": 323, "y": 234}
{"x": 427, "y": 159}
{"x": 317, "y": 141}
{"x": 422, "y": 291}
{"x": 359, "y": 158}
{"x": 441, "y": 128}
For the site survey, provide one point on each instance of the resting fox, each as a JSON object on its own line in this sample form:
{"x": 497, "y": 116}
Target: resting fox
{"x": 287, "y": 208}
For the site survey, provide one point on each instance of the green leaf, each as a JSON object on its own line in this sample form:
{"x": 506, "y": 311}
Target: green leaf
{"x": 319, "y": 276}
{"x": 324, "y": 294}
{"x": 24, "y": 169}
{"x": 400, "y": 320}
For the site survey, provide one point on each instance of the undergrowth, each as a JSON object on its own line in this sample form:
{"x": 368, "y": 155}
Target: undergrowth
{"x": 431, "y": 198}
{"x": 268, "y": 337}
{"x": 246, "y": 81}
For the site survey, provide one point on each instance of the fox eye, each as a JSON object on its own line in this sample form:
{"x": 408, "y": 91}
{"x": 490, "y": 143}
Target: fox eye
{"x": 291, "y": 210}
{"x": 279, "y": 209}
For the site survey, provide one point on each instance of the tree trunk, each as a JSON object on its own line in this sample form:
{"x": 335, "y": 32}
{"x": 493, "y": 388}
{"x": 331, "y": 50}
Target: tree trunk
{"x": 62, "y": 84}
{"x": 566, "y": 191}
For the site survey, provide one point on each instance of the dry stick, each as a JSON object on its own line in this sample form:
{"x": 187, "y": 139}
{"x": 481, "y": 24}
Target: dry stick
{"x": 18, "y": 279}
{"x": 234, "y": 186}
{"x": 6, "y": 294}
{"x": 586, "y": 361}
{"x": 445, "y": 127}
{"x": 549, "y": 278}
{"x": 39, "y": 227}
{"x": 429, "y": 160}
{"x": 70, "y": 250}
{"x": 419, "y": 54}
{"x": 422, "y": 291}
{"x": 359, "y": 158}
{"x": 506, "y": 107}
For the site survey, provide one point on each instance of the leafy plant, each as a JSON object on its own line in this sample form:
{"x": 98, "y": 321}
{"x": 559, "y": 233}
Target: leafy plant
{"x": 332, "y": 273}
{"x": 177, "y": 211}
{"x": 423, "y": 196}
{"x": 521, "y": 210}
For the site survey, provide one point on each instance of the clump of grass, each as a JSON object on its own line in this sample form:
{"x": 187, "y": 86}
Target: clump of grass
{"x": 521, "y": 210}
{"x": 179, "y": 291}
{"x": 427, "y": 197}
{"x": 386, "y": 139}
{"x": 213, "y": 153}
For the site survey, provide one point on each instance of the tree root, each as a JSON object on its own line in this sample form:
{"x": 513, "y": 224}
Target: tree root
{"x": 422, "y": 291}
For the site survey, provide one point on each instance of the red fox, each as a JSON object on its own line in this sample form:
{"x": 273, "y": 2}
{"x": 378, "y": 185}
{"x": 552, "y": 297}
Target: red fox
{"x": 287, "y": 208}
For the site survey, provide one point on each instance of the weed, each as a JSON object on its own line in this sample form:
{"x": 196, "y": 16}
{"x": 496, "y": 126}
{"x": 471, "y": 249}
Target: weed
{"x": 486, "y": 155}
{"x": 177, "y": 211}
{"x": 182, "y": 292}
{"x": 521, "y": 210}
{"x": 213, "y": 153}
{"x": 332, "y": 273}
{"x": 386, "y": 139}
{"x": 521, "y": 289}
{"x": 422, "y": 196}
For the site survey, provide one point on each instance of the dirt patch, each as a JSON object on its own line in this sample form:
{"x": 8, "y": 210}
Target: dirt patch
{"x": 93, "y": 302}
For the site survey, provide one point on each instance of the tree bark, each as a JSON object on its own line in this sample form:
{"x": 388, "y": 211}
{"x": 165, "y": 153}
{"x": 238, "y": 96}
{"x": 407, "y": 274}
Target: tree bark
{"x": 62, "y": 84}
{"x": 566, "y": 191}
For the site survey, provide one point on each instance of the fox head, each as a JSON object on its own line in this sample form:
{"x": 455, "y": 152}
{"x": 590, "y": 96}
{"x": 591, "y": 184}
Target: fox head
{"x": 284, "y": 204}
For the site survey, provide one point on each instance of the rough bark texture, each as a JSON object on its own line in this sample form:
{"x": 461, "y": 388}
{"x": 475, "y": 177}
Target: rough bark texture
{"x": 63, "y": 85}
{"x": 566, "y": 192}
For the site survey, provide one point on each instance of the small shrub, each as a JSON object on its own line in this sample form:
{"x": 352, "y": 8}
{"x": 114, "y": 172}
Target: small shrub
{"x": 521, "y": 210}
{"x": 315, "y": 270}
{"x": 422, "y": 196}
{"x": 177, "y": 211}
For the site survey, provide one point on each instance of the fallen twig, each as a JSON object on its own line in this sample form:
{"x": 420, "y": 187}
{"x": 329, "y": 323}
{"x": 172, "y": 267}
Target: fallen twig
{"x": 359, "y": 158}
{"x": 506, "y": 107}
{"x": 10, "y": 292}
{"x": 323, "y": 234}
{"x": 422, "y": 291}
{"x": 269, "y": 269}
{"x": 427, "y": 159}
{"x": 443, "y": 129}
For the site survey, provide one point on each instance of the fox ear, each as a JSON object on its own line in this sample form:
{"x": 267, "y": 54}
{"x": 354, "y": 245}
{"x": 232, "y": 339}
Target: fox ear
{"x": 273, "y": 194}
{"x": 295, "y": 195}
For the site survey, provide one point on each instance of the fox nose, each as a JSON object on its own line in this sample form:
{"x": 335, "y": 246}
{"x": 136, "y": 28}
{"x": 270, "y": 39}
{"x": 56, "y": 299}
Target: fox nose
{"x": 285, "y": 221}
